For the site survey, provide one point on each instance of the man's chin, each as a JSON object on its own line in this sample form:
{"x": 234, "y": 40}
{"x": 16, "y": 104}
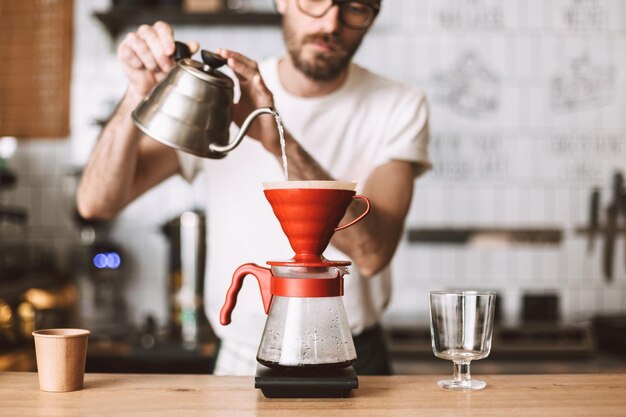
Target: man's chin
{"x": 320, "y": 67}
{"x": 321, "y": 74}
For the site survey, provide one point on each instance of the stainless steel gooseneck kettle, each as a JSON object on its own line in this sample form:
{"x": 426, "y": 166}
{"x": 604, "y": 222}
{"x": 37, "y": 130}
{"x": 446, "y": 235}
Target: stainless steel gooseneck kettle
{"x": 191, "y": 109}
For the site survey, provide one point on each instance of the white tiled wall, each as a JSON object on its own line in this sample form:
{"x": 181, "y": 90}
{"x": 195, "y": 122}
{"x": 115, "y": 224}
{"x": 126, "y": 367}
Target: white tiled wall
{"x": 509, "y": 148}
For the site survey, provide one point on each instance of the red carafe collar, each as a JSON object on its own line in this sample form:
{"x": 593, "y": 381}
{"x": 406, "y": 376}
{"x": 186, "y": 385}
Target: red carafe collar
{"x": 271, "y": 285}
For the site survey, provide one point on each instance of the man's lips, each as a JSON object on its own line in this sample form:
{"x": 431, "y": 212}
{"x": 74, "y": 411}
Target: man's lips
{"x": 325, "y": 46}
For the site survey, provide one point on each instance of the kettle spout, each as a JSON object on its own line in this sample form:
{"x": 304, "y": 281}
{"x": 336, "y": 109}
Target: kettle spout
{"x": 242, "y": 132}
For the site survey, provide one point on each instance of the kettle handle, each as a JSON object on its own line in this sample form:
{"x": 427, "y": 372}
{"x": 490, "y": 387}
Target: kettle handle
{"x": 262, "y": 275}
{"x": 242, "y": 131}
{"x": 181, "y": 51}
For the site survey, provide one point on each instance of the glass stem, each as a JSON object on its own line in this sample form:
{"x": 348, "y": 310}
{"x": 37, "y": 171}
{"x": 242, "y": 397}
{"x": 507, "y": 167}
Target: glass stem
{"x": 462, "y": 372}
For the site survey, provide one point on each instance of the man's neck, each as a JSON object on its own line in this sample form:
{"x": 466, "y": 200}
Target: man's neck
{"x": 298, "y": 84}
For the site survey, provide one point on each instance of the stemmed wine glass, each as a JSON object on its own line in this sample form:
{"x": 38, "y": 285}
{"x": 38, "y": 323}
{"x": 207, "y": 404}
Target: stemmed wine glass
{"x": 461, "y": 324}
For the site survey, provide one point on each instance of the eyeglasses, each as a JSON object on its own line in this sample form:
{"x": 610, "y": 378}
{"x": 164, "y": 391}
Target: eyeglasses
{"x": 352, "y": 14}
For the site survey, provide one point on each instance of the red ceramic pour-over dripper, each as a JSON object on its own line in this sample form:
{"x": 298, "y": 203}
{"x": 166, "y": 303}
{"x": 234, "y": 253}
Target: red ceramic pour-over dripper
{"x": 309, "y": 213}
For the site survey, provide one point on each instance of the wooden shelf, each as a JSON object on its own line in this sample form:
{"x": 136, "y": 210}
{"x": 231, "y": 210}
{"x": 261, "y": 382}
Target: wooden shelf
{"x": 475, "y": 235}
{"x": 599, "y": 231}
{"x": 115, "y": 20}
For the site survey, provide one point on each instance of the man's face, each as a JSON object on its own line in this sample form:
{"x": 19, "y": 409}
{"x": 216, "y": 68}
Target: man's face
{"x": 321, "y": 48}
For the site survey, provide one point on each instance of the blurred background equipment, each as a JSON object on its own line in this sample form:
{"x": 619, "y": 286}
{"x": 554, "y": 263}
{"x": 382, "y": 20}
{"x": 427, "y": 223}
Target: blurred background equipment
{"x": 34, "y": 291}
{"x": 98, "y": 266}
{"x": 186, "y": 235}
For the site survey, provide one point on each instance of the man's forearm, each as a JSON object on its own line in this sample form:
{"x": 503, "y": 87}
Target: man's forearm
{"x": 108, "y": 177}
{"x": 371, "y": 242}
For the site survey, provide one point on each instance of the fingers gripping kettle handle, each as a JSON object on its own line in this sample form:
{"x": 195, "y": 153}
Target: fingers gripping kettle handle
{"x": 262, "y": 275}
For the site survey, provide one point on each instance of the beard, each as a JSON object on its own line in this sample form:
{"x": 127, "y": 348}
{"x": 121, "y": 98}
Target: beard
{"x": 324, "y": 65}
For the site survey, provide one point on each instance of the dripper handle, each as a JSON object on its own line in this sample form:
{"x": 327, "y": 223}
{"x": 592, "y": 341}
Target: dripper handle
{"x": 365, "y": 213}
{"x": 262, "y": 275}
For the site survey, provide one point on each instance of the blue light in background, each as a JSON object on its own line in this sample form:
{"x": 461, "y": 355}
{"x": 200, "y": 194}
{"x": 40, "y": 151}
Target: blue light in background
{"x": 107, "y": 260}
{"x": 113, "y": 260}
{"x": 100, "y": 261}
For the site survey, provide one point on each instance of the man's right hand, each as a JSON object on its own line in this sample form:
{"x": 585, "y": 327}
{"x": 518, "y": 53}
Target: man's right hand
{"x": 147, "y": 56}
{"x": 125, "y": 163}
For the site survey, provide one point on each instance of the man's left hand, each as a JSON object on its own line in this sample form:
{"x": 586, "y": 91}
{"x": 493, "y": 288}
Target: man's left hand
{"x": 254, "y": 94}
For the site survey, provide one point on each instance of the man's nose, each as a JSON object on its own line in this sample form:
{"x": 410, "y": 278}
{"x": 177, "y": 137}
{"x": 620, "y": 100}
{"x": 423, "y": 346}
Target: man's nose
{"x": 330, "y": 20}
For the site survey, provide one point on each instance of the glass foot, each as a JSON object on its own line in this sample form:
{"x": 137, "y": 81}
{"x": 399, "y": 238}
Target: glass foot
{"x": 470, "y": 385}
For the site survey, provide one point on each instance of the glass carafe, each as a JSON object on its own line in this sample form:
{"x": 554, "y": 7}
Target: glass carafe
{"x": 309, "y": 332}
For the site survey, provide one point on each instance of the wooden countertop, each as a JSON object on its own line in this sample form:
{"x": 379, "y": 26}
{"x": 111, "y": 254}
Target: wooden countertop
{"x": 207, "y": 395}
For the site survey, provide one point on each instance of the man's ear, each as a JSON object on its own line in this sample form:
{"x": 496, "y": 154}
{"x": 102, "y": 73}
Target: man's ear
{"x": 280, "y": 6}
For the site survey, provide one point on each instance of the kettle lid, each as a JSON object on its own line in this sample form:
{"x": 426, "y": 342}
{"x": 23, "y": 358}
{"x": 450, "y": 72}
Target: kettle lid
{"x": 207, "y": 70}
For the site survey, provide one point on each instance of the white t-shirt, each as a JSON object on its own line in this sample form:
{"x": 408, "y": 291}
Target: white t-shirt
{"x": 367, "y": 122}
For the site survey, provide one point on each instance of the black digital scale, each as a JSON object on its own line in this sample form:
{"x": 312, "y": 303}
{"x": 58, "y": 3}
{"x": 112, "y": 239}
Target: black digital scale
{"x": 303, "y": 383}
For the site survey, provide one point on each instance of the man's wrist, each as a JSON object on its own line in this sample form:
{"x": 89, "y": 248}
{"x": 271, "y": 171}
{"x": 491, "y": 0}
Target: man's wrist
{"x": 121, "y": 119}
{"x": 132, "y": 98}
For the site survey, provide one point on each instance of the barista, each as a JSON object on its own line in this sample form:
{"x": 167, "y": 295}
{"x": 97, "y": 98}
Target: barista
{"x": 342, "y": 122}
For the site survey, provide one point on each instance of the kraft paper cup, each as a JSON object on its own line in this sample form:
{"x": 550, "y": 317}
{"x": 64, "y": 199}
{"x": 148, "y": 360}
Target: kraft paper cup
{"x": 61, "y": 355}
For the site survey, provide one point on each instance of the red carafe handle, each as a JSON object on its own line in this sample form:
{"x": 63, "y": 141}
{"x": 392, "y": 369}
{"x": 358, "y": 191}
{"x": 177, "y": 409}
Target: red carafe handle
{"x": 367, "y": 210}
{"x": 262, "y": 275}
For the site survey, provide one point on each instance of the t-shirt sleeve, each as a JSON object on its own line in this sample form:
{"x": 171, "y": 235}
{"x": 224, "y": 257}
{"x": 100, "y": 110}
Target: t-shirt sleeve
{"x": 190, "y": 165}
{"x": 406, "y": 132}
